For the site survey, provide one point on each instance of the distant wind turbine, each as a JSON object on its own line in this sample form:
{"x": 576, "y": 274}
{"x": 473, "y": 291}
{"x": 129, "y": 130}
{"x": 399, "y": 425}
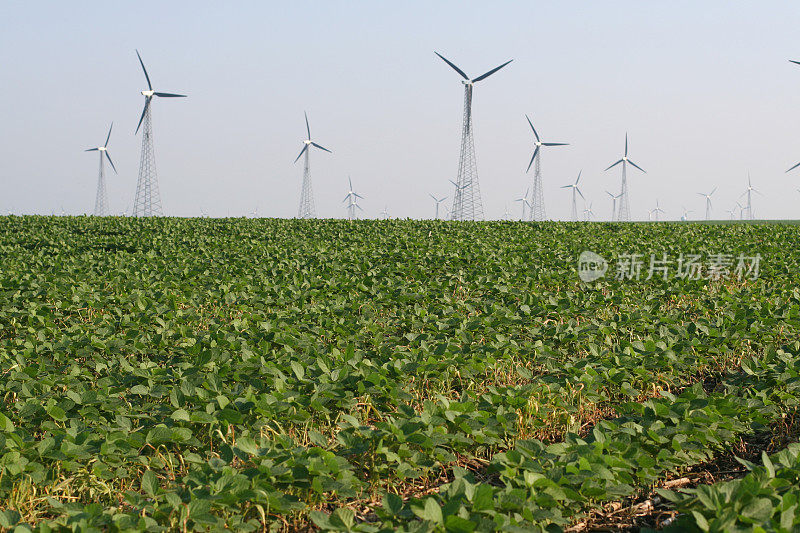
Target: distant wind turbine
{"x": 467, "y": 203}
{"x": 624, "y": 204}
{"x": 587, "y": 212}
{"x": 708, "y": 202}
{"x": 614, "y": 198}
{"x": 148, "y": 199}
{"x": 537, "y": 212}
{"x": 101, "y": 199}
{"x": 575, "y": 189}
{"x": 685, "y": 215}
{"x": 750, "y": 189}
{"x": 307, "y": 208}
{"x": 438, "y": 201}
{"x": 352, "y": 201}
{"x": 656, "y": 211}
{"x": 525, "y": 202}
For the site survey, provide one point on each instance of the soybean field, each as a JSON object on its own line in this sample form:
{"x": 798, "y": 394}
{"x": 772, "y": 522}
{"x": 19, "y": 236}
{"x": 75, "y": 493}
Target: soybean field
{"x": 286, "y": 375}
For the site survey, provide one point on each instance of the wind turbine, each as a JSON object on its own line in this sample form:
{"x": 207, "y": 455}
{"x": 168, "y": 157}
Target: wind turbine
{"x": 101, "y": 199}
{"x": 148, "y": 199}
{"x": 307, "y": 208}
{"x": 524, "y": 201}
{"x": 798, "y": 164}
{"x": 741, "y": 210}
{"x": 732, "y": 212}
{"x": 708, "y": 202}
{"x": 537, "y": 211}
{"x": 352, "y": 199}
{"x": 587, "y": 212}
{"x": 685, "y": 215}
{"x": 614, "y": 198}
{"x": 438, "y": 201}
{"x": 656, "y": 211}
{"x": 467, "y": 203}
{"x": 750, "y": 189}
{"x": 385, "y": 213}
{"x": 624, "y": 207}
{"x": 574, "y": 187}
{"x": 506, "y": 213}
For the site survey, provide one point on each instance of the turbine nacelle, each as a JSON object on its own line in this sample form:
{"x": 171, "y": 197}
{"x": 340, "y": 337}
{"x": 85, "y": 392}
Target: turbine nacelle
{"x": 148, "y": 94}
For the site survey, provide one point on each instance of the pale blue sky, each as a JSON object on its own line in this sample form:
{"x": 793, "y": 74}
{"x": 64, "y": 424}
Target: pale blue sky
{"x": 704, "y": 89}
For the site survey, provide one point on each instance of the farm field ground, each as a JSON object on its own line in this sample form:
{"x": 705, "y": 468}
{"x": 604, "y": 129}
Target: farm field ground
{"x": 282, "y": 375}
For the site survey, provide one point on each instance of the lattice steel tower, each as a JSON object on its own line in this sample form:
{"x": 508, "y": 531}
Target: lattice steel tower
{"x": 467, "y": 203}
{"x": 101, "y": 199}
{"x": 307, "y": 208}
{"x": 624, "y": 205}
{"x": 148, "y": 199}
{"x": 537, "y": 211}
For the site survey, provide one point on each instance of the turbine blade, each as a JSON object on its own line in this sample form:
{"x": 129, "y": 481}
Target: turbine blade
{"x": 579, "y": 192}
{"x": 637, "y": 166}
{"x": 305, "y": 147}
{"x": 308, "y": 129}
{"x": 484, "y": 76}
{"x": 346, "y": 197}
{"x": 146, "y": 105}
{"x": 615, "y": 164}
{"x": 555, "y": 144}
{"x": 452, "y": 65}
{"x": 579, "y": 177}
{"x": 350, "y": 181}
{"x": 794, "y": 167}
{"x": 795, "y": 62}
{"x": 712, "y": 192}
{"x": 321, "y": 147}
{"x": 611, "y": 195}
{"x": 534, "y": 129}
{"x": 170, "y": 95}
{"x": 358, "y": 195}
{"x": 110, "y": 161}
{"x": 566, "y": 186}
{"x": 149, "y": 86}
{"x": 626, "y": 144}
{"x": 532, "y": 158}
{"x": 109, "y": 135}
{"x": 91, "y": 150}
{"x": 454, "y": 183}
{"x": 434, "y": 198}
{"x": 358, "y": 206}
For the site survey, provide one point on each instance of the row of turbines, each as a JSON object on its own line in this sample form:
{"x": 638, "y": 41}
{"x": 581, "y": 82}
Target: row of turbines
{"x": 466, "y": 197}
{"x": 740, "y": 211}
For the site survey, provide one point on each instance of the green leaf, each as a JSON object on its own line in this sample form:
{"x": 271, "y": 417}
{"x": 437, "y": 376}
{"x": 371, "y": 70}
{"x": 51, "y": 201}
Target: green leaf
{"x": 430, "y": 511}
{"x": 392, "y": 503}
{"x": 298, "y": 369}
{"x": 149, "y": 483}
{"x": 56, "y": 413}
{"x": 9, "y": 518}
{"x": 7, "y": 426}
{"x": 701, "y": 521}
{"x": 247, "y": 445}
{"x": 180, "y": 415}
{"x": 456, "y": 524}
{"x": 767, "y": 462}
